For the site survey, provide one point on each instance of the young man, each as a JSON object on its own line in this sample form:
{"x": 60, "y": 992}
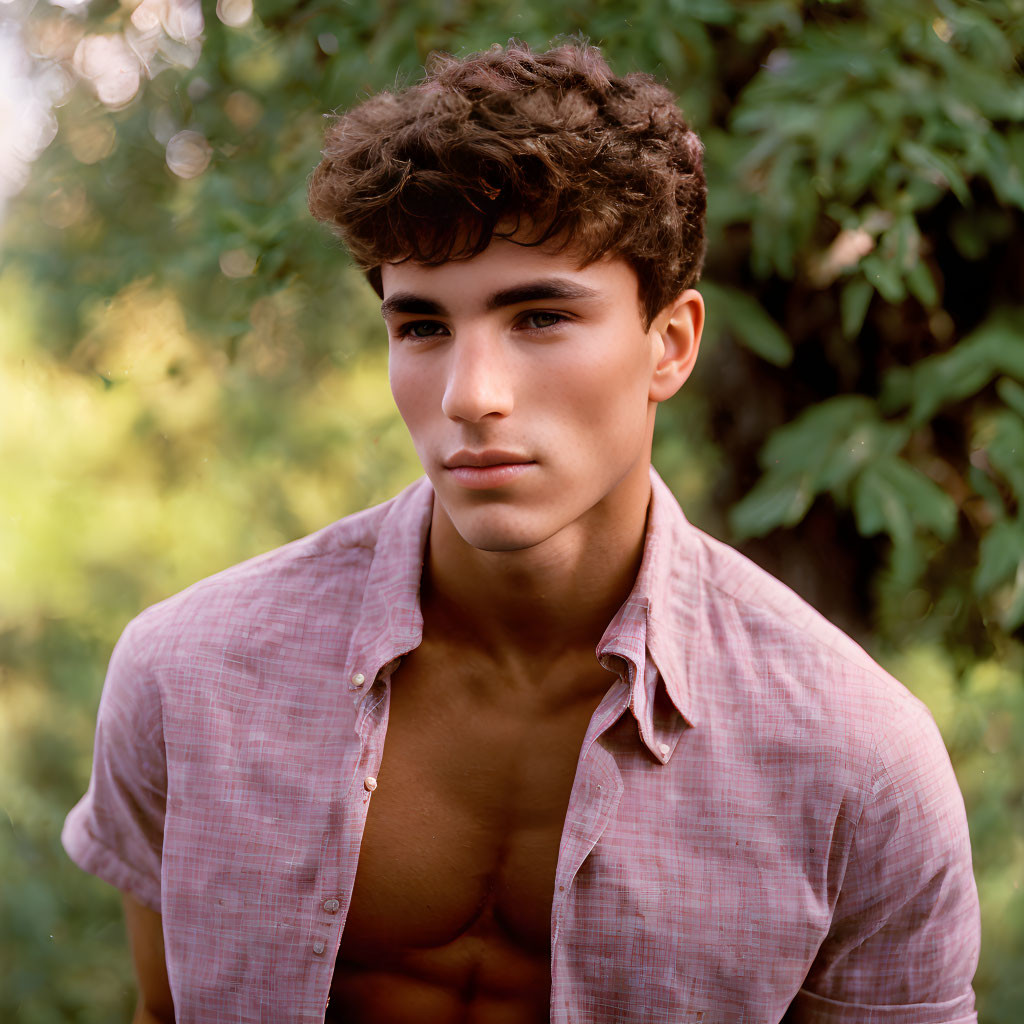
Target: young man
{"x": 521, "y": 744}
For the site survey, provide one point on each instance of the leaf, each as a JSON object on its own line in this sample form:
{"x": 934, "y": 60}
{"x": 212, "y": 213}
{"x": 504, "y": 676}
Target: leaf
{"x": 716, "y": 12}
{"x": 850, "y": 455}
{"x": 902, "y": 242}
{"x": 667, "y": 44}
{"x": 1012, "y": 394}
{"x": 885, "y": 275}
{"x": 996, "y": 346}
{"x": 825, "y": 448}
{"x": 868, "y": 159}
{"x": 1000, "y": 555}
{"x": 893, "y": 497}
{"x": 922, "y": 284}
{"x": 931, "y": 508}
{"x": 1013, "y": 614}
{"x": 878, "y": 509}
{"x": 985, "y": 488}
{"x": 938, "y": 169}
{"x": 1007, "y": 344}
{"x": 776, "y": 500}
{"x": 1006, "y": 450}
{"x": 831, "y": 442}
{"x": 808, "y": 442}
{"x": 846, "y": 121}
{"x": 992, "y": 156}
{"x": 897, "y": 389}
{"x": 746, "y": 318}
{"x": 853, "y": 305}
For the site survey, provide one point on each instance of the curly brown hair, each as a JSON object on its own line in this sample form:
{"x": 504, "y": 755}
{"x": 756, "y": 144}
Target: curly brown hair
{"x": 536, "y": 147}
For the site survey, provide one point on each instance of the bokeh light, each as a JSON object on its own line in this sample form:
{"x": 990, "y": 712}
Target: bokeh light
{"x": 188, "y": 154}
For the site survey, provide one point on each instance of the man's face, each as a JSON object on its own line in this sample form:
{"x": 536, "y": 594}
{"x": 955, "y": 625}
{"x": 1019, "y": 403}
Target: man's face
{"x": 525, "y": 383}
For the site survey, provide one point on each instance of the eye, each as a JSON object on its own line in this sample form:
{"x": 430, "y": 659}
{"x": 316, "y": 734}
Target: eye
{"x": 421, "y": 329}
{"x": 541, "y": 320}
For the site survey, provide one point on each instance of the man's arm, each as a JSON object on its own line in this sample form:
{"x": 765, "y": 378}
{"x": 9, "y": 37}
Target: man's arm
{"x": 146, "y": 935}
{"x": 905, "y": 933}
{"x": 116, "y": 831}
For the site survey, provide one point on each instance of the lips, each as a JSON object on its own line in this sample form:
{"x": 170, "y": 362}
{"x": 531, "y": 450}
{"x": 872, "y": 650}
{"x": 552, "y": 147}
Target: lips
{"x": 491, "y": 470}
{"x": 482, "y": 460}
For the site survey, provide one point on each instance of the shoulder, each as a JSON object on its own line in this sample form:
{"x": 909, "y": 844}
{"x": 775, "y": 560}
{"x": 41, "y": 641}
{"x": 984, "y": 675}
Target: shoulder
{"x": 808, "y": 708}
{"x": 291, "y": 589}
{"x": 799, "y": 674}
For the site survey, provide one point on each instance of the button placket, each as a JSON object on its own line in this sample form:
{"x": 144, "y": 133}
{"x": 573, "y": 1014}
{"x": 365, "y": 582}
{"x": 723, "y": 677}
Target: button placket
{"x": 369, "y": 725}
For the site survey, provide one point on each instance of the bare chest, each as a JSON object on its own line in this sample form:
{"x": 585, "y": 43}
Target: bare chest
{"x": 457, "y": 865}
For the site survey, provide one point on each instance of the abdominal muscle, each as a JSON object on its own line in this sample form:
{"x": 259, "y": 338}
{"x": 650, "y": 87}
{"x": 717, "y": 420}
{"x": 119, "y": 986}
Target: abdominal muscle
{"x": 481, "y": 977}
{"x": 450, "y": 915}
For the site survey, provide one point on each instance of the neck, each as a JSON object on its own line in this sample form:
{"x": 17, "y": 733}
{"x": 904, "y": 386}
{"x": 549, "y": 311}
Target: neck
{"x": 544, "y": 603}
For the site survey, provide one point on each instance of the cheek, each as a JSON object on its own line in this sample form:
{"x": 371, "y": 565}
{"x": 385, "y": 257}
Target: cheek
{"x": 604, "y": 389}
{"x": 410, "y": 399}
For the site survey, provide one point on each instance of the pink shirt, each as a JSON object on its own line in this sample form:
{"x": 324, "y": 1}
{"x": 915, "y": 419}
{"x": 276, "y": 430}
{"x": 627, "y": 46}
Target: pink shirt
{"x": 762, "y": 819}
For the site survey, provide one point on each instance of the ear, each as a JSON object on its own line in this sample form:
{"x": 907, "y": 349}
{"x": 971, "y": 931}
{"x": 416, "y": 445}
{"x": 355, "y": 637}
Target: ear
{"x": 675, "y": 335}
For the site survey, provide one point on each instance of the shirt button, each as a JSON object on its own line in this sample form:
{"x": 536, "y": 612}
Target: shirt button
{"x": 664, "y": 748}
{"x": 358, "y": 679}
{"x": 318, "y": 948}
{"x": 370, "y": 783}
{"x": 332, "y": 906}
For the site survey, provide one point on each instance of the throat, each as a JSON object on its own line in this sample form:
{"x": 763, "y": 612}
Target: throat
{"x": 529, "y": 604}
{"x": 522, "y": 631}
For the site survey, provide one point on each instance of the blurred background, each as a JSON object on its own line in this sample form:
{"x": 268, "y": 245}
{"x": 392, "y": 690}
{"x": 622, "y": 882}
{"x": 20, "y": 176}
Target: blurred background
{"x": 191, "y": 372}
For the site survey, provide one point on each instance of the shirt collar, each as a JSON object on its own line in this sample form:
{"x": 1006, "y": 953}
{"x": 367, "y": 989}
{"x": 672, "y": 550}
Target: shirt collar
{"x": 654, "y": 631}
{"x": 390, "y": 621}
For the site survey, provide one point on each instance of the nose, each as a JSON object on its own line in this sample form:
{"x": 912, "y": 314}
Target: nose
{"x": 479, "y": 383}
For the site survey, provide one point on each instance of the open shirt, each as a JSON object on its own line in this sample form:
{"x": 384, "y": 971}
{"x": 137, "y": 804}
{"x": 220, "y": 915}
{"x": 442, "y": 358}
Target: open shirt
{"x": 763, "y": 823}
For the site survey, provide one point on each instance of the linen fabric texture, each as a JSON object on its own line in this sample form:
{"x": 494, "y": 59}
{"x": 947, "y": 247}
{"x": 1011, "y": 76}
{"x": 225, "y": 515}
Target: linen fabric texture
{"x": 763, "y": 826}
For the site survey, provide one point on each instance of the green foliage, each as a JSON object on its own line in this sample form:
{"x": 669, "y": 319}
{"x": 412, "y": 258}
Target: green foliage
{"x": 827, "y": 447}
{"x": 191, "y": 373}
{"x": 995, "y": 348}
{"x": 735, "y": 311}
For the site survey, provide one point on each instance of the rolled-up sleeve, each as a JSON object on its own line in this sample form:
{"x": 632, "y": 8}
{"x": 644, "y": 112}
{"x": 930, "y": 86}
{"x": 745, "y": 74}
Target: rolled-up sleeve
{"x": 116, "y": 830}
{"x": 905, "y": 936}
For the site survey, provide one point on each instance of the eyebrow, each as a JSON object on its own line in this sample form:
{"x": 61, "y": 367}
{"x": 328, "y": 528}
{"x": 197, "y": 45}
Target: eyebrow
{"x": 530, "y": 291}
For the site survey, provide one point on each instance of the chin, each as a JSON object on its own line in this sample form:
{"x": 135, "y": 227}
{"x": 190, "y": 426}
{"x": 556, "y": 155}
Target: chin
{"x": 486, "y": 537}
{"x": 496, "y": 529}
